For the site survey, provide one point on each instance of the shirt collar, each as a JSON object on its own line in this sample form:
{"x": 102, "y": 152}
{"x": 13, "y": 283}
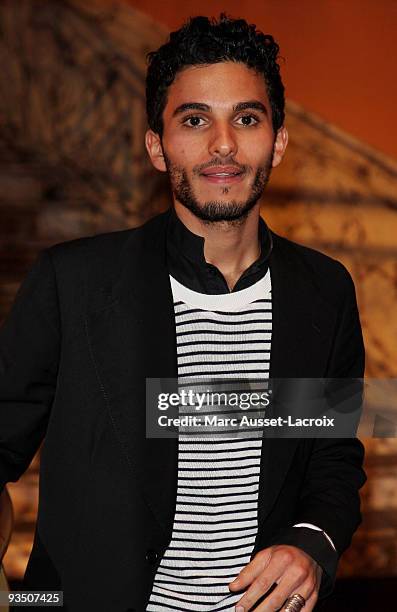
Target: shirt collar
{"x": 191, "y": 245}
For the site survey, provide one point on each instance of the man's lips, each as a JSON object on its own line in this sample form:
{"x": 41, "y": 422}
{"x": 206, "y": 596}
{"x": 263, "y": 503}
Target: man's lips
{"x": 223, "y": 174}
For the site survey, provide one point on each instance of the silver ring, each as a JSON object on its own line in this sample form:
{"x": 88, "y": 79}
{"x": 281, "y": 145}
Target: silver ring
{"x": 294, "y": 603}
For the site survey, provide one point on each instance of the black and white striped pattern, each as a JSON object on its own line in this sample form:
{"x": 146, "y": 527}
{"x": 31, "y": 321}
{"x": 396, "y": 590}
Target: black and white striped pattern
{"x": 225, "y": 336}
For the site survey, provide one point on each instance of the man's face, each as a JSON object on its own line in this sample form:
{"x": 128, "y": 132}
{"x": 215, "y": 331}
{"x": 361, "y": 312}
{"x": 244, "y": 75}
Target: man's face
{"x": 218, "y": 143}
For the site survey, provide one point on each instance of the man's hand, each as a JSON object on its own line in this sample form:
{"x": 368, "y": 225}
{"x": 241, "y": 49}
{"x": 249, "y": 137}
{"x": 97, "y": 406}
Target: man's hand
{"x": 290, "y": 567}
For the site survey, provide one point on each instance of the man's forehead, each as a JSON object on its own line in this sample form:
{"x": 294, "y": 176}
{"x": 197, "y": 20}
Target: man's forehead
{"x": 220, "y": 86}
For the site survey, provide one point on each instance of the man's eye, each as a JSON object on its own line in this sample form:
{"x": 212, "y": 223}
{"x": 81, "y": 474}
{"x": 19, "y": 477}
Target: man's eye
{"x": 248, "y": 120}
{"x": 193, "y": 121}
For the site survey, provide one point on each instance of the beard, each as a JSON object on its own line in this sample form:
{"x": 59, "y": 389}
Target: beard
{"x": 218, "y": 210}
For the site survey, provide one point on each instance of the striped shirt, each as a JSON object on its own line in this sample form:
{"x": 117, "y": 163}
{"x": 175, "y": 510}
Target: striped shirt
{"x": 226, "y": 337}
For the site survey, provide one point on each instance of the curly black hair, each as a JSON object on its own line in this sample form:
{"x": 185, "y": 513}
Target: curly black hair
{"x": 209, "y": 41}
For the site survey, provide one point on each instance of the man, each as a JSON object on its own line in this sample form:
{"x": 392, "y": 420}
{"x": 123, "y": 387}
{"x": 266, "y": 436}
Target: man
{"x": 129, "y": 522}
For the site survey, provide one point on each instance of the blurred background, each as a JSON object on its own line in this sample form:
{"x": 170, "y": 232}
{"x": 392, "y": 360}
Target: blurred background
{"x": 73, "y": 163}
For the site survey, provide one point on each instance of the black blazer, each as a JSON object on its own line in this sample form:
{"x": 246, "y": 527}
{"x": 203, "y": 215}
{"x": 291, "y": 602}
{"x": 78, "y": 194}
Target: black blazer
{"x": 94, "y": 318}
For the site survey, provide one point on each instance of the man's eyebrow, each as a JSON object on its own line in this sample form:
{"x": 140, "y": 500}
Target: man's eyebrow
{"x": 191, "y": 106}
{"x": 240, "y": 106}
{"x": 250, "y": 104}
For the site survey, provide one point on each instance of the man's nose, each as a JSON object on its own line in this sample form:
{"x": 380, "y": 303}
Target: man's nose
{"x": 223, "y": 141}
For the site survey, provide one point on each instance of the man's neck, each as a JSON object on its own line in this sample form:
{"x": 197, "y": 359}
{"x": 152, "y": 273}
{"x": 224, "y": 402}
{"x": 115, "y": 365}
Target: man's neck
{"x": 231, "y": 247}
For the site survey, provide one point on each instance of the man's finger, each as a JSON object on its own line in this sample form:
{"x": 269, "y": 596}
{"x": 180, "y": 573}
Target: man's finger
{"x": 251, "y": 570}
{"x": 311, "y": 602}
{"x": 258, "y": 588}
{"x": 278, "y": 597}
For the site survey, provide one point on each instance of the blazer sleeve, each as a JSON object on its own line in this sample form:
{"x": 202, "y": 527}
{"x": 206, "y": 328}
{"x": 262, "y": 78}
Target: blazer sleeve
{"x": 330, "y": 496}
{"x": 29, "y": 352}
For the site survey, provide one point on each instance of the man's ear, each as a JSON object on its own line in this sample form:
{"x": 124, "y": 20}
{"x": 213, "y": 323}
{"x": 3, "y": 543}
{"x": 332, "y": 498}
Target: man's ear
{"x": 280, "y": 145}
{"x": 155, "y": 150}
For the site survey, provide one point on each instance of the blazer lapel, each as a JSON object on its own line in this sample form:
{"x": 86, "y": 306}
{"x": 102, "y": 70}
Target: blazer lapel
{"x": 301, "y": 334}
{"x": 133, "y": 339}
